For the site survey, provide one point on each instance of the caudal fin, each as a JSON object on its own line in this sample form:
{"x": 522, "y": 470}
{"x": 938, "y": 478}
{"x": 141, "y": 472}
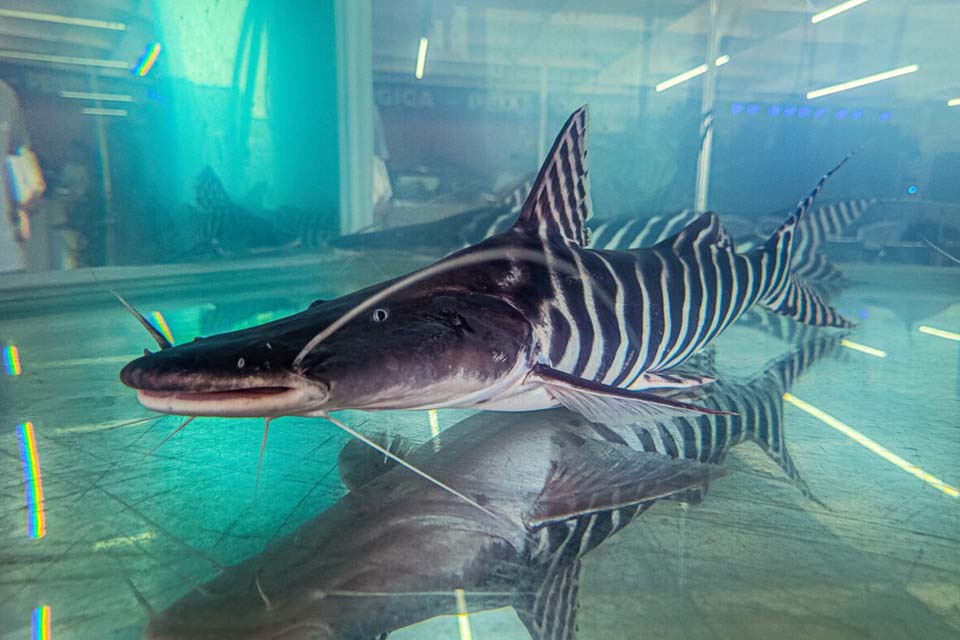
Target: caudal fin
{"x": 775, "y": 380}
{"x": 784, "y": 292}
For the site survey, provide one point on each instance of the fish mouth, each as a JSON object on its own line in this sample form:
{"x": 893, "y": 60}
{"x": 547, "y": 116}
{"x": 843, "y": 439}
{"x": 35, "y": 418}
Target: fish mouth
{"x": 270, "y": 401}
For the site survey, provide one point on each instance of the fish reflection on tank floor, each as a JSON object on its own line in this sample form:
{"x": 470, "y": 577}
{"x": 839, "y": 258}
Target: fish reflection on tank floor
{"x": 393, "y": 551}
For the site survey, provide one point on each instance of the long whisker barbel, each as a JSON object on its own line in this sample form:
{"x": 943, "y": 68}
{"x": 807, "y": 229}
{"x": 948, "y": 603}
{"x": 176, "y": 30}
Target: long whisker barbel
{"x": 423, "y": 474}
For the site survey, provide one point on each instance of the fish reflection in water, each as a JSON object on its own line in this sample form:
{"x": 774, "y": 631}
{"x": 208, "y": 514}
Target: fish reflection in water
{"x": 394, "y": 549}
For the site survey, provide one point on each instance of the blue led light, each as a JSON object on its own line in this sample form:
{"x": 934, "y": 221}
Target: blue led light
{"x": 840, "y": 114}
{"x": 753, "y": 109}
{"x": 789, "y": 111}
{"x": 773, "y": 110}
{"x": 737, "y": 107}
{"x": 885, "y": 115}
{"x": 819, "y": 113}
{"x": 856, "y": 115}
{"x": 912, "y": 189}
{"x": 803, "y": 112}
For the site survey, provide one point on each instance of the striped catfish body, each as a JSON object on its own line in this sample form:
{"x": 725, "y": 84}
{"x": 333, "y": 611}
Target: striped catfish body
{"x": 529, "y": 319}
{"x": 822, "y": 223}
{"x": 611, "y": 320}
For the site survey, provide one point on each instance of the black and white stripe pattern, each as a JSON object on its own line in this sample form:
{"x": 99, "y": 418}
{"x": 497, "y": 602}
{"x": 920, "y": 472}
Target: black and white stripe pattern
{"x": 559, "y": 202}
{"x": 619, "y": 234}
{"x": 613, "y": 316}
{"x": 757, "y": 415}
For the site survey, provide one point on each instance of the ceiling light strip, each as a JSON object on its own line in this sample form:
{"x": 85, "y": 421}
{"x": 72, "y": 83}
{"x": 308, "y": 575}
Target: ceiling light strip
{"x": 692, "y": 73}
{"x": 837, "y": 9}
{"x": 106, "y": 97}
{"x": 43, "y": 57}
{"x": 58, "y": 19}
{"x": 859, "y": 82}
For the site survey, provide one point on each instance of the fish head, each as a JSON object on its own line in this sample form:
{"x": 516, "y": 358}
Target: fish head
{"x": 419, "y": 351}
{"x": 418, "y": 348}
{"x": 220, "y": 610}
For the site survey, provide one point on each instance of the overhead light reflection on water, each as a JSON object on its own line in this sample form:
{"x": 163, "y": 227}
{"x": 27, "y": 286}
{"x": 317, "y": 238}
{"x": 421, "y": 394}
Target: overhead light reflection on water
{"x": 36, "y": 519}
{"x": 11, "y": 360}
{"x": 856, "y": 346}
{"x": 940, "y": 333}
{"x": 875, "y": 447}
{"x": 462, "y": 616}
{"x": 434, "y": 428}
{"x": 41, "y": 623}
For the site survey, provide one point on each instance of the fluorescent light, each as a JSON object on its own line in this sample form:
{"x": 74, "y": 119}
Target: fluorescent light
{"x": 876, "y": 448}
{"x": 43, "y": 57}
{"x": 859, "y": 82}
{"x": 421, "y": 58}
{"x": 856, "y": 346}
{"x": 58, "y": 19}
{"x": 87, "y": 95}
{"x": 832, "y": 11}
{"x": 940, "y": 333}
{"x": 692, "y": 73}
{"x": 953, "y": 102}
{"x": 93, "y": 111}
{"x": 683, "y": 77}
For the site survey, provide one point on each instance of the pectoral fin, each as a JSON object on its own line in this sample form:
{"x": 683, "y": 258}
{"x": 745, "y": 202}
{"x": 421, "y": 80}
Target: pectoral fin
{"x": 594, "y": 476}
{"x": 604, "y": 403}
{"x": 669, "y": 380}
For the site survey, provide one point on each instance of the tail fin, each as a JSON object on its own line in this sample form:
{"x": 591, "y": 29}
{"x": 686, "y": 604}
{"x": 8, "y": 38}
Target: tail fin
{"x": 776, "y": 379}
{"x": 784, "y": 292}
{"x": 784, "y": 371}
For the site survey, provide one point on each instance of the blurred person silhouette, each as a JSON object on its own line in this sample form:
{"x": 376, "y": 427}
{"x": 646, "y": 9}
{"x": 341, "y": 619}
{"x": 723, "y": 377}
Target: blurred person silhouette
{"x": 76, "y": 224}
{"x": 21, "y": 183}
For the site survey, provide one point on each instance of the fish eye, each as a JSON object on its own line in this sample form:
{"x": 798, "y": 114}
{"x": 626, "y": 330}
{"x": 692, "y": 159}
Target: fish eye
{"x": 380, "y": 314}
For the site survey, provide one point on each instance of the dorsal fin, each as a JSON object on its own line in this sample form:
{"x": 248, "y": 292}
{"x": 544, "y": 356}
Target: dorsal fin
{"x": 559, "y": 202}
{"x": 704, "y": 230}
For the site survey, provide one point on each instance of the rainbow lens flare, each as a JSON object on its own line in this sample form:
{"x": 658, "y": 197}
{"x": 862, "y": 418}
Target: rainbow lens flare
{"x": 160, "y": 322}
{"x": 36, "y": 520}
{"x": 147, "y": 60}
{"x": 11, "y": 360}
{"x": 41, "y": 623}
